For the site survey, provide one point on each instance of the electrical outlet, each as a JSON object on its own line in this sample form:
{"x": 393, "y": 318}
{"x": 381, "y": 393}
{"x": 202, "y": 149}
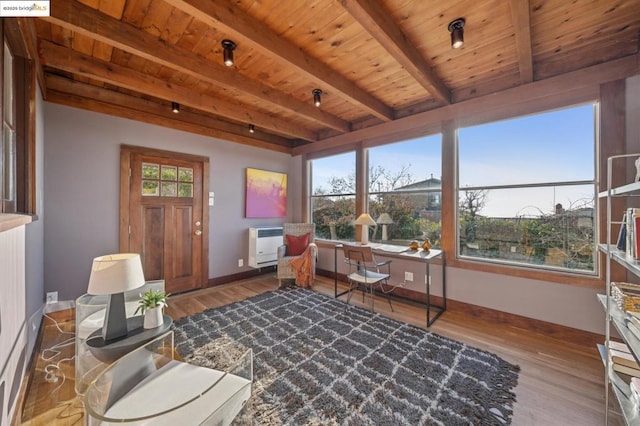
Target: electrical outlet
{"x": 52, "y": 297}
{"x": 408, "y": 276}
{"x": 240, "y": 263}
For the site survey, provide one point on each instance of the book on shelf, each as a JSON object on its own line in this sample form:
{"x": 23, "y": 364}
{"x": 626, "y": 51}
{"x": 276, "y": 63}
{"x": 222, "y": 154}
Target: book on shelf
{"x": 632, "y": 241}
{"x": 631, "y": 372}
{"x": 623, "y": 358}
{"x": 621, "y": 244}
{"x": 622, "y": 347}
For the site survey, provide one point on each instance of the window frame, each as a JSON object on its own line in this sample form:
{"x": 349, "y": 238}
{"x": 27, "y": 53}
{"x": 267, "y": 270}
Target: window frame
{"x": 525, "y": 185}
{"x": 428, "y": 192}
{"x": 24, "y": 80}
{"x": 608, "y": 98}
{"x": 311, "y": 196}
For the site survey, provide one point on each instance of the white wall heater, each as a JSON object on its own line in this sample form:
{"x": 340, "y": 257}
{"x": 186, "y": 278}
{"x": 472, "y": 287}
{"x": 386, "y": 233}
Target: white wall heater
{"x": 263, "y": 245}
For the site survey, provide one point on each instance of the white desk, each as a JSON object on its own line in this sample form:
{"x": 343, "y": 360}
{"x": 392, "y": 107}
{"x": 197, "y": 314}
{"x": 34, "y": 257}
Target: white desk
{"x": 433, "y": 310}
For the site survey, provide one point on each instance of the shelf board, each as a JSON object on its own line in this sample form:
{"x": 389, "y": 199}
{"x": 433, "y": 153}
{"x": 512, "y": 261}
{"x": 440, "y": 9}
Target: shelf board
{"x": 621, "y": 190}
{"x": 618, "y": 319}
{"x": 622, "y": 392}
{"x": 620, "y": 257}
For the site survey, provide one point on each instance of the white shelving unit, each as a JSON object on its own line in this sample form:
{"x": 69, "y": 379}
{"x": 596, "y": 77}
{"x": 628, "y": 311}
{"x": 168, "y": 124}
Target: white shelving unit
{"x": 614, "y": 315}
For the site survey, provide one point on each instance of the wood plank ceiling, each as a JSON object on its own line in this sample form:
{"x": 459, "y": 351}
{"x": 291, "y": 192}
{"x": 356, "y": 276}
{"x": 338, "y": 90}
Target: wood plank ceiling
{"x": 375, "y": 61}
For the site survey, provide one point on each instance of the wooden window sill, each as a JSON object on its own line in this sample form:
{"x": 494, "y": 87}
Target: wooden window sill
{"x": 9, "y": 221}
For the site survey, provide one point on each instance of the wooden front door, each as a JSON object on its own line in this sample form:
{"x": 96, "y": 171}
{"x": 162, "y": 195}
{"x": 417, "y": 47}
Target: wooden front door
{"x": 164, "y": 216}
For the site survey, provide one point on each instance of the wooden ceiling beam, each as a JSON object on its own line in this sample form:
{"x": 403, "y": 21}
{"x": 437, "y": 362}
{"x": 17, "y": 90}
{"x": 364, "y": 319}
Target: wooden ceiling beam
{"x": 521, "y": 19}
{"x": 66, "y": 59}
{"x": 97, "y": 99}
{"x": 238, "y": 25}
{"x": 377, "y": 22}
{"x": 89, "y": 22}
{"x": 573, "y": 87}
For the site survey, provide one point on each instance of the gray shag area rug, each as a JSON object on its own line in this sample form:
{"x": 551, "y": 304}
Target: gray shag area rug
{"x": 318, "y": 361}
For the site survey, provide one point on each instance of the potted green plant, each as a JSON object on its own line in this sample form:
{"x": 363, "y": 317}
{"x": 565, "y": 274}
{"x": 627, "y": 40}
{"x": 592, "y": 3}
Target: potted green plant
{"x": 151, "y": 304}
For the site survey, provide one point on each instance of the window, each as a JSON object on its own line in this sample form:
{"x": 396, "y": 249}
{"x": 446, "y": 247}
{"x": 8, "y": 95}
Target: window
{"x": 405, "y": 191}
{"x": 526, "y": 190}
{"x": 8, "y": 134}
{"x": 17, "y": 193}
{"x": 333, "y": 190}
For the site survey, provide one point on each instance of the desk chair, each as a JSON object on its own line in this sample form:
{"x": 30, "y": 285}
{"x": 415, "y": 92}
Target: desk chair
{"x": 364, "y": 272}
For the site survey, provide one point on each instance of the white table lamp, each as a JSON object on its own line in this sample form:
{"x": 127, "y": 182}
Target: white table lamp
{"x": 384, "y": 219}
{"x": 112, "y": 275}
{"x": 364, "y": 220}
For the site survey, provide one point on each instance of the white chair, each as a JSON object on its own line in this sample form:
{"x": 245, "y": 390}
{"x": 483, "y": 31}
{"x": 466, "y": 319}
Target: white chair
{"x": 365, "y": 272}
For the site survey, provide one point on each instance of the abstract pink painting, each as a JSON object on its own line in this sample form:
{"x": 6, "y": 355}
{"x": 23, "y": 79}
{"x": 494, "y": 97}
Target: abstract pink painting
{"x": 266, "y": 194}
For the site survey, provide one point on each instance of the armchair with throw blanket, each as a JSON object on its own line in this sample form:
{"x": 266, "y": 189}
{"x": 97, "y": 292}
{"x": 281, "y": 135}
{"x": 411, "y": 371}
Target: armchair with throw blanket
{"x": 297, "y": 256}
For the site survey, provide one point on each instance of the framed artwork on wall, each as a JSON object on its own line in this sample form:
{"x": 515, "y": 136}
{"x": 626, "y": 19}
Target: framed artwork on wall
{"x": 266, "y": 194}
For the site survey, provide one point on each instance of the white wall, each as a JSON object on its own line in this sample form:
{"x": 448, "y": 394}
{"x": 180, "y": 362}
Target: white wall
{"x": 82, "y": 151}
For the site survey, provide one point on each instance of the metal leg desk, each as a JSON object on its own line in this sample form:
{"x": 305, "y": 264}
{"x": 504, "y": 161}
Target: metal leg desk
{"x": 433, "y": 310}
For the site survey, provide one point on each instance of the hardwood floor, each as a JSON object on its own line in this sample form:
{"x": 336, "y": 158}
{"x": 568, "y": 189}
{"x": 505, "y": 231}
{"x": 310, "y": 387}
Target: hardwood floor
{"x": 560, "y": 383}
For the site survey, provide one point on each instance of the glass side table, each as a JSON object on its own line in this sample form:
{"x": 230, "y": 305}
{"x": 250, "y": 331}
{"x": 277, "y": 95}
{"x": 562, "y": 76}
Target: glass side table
{"x": 90, "y": 311}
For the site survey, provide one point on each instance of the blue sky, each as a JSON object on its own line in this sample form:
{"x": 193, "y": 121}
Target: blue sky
{"x": 549, "y": 147}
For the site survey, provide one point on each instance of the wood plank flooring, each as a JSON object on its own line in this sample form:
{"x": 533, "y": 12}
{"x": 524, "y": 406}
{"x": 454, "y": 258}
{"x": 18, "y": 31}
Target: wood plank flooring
{"x": 560, "y": 383}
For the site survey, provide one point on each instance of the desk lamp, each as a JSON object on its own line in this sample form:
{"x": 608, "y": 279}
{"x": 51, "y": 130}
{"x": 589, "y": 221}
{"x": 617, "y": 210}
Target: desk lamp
{"x": 384, "y": 219}
{"x": 365, "y": 220}
{"x": 112, "y": 275}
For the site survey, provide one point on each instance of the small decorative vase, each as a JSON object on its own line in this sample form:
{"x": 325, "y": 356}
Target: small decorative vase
{"x": 153, "y": 317}
{"x": 426, "y": 246}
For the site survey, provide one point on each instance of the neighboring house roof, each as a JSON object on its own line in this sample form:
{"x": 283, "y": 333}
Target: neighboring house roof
{"x": 423, "y": 184}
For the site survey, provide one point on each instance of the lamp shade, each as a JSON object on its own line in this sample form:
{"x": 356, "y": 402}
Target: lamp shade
{"x": 116, "y": 273}
{"x": 364, "y": 219}
{"x": 384, "y": 219}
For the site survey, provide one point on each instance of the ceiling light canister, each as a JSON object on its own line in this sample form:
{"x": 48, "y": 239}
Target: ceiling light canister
{"x": 252, "y": 128}
{"x": 317, "y": 93}
{"x": 456, "y": 28}
{"x": 229, "y": 46}
{"x": 175, "y": 107}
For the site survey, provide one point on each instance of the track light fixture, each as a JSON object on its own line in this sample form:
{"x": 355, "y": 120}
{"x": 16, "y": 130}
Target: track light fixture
{"x": 229, "y": 47}
{"x": 317, "y": 93}
{"x": 175, "y": 107}
{"x": 456, "y": 28}
{"x": 252, "y": 128}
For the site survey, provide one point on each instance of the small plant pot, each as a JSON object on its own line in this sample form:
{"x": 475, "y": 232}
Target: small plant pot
{"x": 153, "y": 317}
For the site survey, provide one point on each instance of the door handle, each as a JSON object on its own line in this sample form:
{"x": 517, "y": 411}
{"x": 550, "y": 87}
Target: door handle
{"x": 198, "y": 232}
{"x": 198, "y": 223}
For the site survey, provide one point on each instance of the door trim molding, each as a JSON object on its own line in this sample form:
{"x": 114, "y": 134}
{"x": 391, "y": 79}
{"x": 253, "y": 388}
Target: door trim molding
{"x": 126, "y": 151}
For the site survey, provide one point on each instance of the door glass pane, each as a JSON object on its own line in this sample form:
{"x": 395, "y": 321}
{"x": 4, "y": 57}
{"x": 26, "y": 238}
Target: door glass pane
{"x": 150, "y": 188}
{"x": 185, "y": 174}
{"x": 185, "y": 190}
{"x": 150, "y": 171}
{"x": 169, "y": 173}
{"x": 169, "y": 189}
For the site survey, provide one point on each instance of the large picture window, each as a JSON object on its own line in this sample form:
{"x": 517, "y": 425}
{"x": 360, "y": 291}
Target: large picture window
{"x": 526, "y": 190}
{"x": 333, "y": 205}
{"x": 405, "y": 190}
